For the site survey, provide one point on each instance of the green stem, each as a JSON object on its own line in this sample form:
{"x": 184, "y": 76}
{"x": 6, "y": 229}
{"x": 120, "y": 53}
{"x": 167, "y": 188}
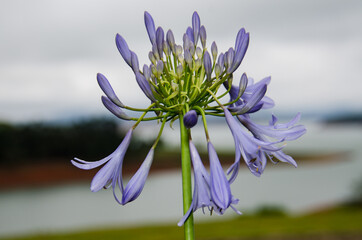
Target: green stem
{"x": 186, "y": 180}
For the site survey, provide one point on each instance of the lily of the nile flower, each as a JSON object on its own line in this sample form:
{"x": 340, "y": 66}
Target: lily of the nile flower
{"x": 183, "y": 80}
{"x": 279, "y": 132}
{"x": 111, "y": 173}
{"x": 201, "y": 197}
{"x": 256, "y": 148}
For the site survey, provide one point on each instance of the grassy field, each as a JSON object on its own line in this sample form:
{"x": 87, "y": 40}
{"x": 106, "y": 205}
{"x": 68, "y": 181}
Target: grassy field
{"x": 339, "y": 223}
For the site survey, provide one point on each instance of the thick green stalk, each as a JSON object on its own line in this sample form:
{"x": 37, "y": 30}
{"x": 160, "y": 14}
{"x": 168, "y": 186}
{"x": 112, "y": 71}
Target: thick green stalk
{"x": 186, "y": 180}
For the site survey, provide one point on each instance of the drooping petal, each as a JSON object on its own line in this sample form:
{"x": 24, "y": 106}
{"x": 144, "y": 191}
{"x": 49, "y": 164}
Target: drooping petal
{"x": 135, "y": 186}
{"x": 123, "y": 49}
{"x": 219, "y": 185}
{"x": 201, "y": 196}
{"x": 86, "y": 165}
{"x": 108, "y": 90}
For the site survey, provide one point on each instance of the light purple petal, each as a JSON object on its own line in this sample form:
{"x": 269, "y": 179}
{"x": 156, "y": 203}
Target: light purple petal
{"x": 135, "y": 186}
{"x": 219, "y": 185}
{"x": 86, "y": 165}
{"x": 254, "y": 99}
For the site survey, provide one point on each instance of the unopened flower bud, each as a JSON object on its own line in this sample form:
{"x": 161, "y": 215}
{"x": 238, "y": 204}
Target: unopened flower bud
{"x": 179, "y": 70}
{"x": 190, "y": 119}
{"x": 178, "y": 50}
{"x": 203, "y": 36}
{"x": 166, "y": 49}
{"x": 199, "y": 52}
{"x": 207, "y": 64}
{"x": 188, "y": 58}
{"x": 217, "y": 70}
{"x": 159, "y": 67}
{"x": 190, "y": 34}
{"x": 197, "y": 64}
{"x": 146, "y": 72}
{"x": 152, "y": 57}
{"x": 154, "y": 70}
{"x": 155, "y": 51}
{"x": 214, "y": 51}
{"x": 159, "y": 41}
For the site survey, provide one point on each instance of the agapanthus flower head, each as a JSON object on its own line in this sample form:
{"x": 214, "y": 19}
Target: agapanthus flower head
{"x": 183, "y": 81}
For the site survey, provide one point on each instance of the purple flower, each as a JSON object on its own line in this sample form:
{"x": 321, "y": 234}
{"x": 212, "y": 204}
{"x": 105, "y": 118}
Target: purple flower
{"x": 190, "y": 119}
{"x": 134, "y": 187}
{"x": 279, "y": 132}
{"x": 201, "y": 196}
{"x": 111, "y": 173}
{"x": 255, "y": 148}
{"x": 241, "y": 45}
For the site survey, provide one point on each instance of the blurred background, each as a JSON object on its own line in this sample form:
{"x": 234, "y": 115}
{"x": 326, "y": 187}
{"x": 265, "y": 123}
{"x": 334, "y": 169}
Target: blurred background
{"x": 50, "y": 112}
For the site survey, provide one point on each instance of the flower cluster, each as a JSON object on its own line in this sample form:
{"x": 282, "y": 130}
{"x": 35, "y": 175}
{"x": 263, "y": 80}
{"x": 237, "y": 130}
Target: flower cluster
{"x": 183, "y": 82}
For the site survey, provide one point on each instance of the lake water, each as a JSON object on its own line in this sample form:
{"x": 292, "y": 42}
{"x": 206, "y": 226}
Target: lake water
{"x": 308, "y": 187}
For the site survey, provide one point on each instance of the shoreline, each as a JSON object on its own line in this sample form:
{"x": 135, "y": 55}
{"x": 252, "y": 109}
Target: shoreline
{"x": 62, "y": 171}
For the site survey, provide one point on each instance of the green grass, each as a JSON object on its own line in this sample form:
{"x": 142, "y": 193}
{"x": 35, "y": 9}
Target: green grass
{"x": 342, "y": 221}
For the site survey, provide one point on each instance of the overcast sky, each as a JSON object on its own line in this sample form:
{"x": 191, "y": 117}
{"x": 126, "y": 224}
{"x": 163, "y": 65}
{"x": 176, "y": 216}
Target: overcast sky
{"x": 51, "y": 51}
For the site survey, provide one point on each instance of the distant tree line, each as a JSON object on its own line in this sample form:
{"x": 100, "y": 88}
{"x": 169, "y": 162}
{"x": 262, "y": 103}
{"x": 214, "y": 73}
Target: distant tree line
{"x": 87, "y": 139}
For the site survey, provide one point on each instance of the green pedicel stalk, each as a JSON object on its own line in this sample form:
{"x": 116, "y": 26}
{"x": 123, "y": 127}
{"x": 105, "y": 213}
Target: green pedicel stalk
{"x": 186, "y": 180}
